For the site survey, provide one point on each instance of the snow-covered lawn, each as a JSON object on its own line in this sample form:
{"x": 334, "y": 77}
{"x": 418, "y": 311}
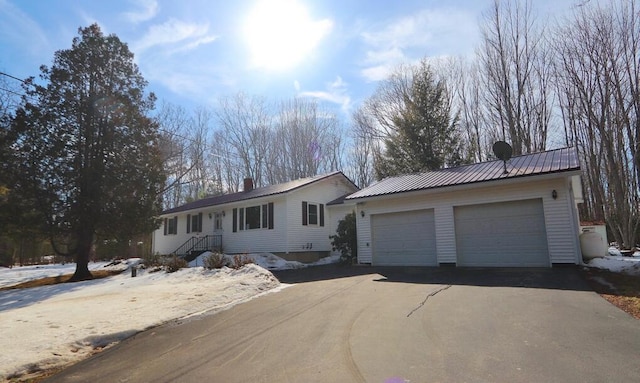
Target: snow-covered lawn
{"x": 49, "y": 326}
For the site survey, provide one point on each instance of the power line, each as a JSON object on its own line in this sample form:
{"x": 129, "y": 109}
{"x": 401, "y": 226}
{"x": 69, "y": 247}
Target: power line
{"x": 10, "y": 91}
{"x": 13, "y": 77}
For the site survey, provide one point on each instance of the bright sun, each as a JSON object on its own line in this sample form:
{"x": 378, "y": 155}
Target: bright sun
{"x": 280, "y": 33}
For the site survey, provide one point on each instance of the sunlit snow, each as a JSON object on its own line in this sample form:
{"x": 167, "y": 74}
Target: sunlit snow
{"x": 55, "y": 325}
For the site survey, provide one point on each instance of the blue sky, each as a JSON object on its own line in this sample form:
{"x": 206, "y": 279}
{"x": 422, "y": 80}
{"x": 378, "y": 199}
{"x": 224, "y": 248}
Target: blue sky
{"x": 193, "y": 51}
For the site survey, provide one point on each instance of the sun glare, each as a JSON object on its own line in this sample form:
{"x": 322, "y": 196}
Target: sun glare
{"x": 280, "y": 33}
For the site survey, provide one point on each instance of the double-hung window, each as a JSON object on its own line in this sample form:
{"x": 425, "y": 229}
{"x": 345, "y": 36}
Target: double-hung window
{"x": 194, "y": 223}
{"x": 312, "y": 214}
{"x": 171, "y": 226}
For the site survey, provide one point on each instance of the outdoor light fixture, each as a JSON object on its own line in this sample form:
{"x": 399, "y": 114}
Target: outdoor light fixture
{"x": 223, "y": 213}
{"x": 362, "y": 213}
{"x": 209, "y": 215}
{"x": 554, "y": 194}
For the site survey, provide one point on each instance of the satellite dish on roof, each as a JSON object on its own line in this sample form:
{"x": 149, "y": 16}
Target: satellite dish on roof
{"x": 503, "y": 151}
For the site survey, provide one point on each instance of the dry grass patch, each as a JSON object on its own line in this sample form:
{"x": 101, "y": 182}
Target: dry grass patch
{"x": 621, "y": 290}
{"x": 97, "y": 274}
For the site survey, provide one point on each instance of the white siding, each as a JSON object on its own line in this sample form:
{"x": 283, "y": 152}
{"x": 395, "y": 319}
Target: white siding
{"x": 561, "y": 230}
{"x": 166, "y": 244}
{"x": 256, "y": 240}
{"x": 363, "y": 227}
{"x": 445, "y": 234}
{"x": 288, "y": 234}
{"x": 300, "y": 238}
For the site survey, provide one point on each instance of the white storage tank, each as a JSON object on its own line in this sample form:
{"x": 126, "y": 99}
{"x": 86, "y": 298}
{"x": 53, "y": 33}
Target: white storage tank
{"x": 592, "y": 244}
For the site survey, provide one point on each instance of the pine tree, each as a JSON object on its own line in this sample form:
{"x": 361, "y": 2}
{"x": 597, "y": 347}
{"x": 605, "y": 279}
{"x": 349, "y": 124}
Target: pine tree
{"x": 425, "y": 135}
{"x": 87, "y": 151}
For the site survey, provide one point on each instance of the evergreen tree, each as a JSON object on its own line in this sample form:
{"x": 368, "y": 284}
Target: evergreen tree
{"x": 87, "y": 153}
{"x": 425, "y": 135}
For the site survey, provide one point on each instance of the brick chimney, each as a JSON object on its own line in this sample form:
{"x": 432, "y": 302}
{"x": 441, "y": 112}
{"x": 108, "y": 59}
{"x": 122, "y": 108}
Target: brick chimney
{"x": 248, "y": 184}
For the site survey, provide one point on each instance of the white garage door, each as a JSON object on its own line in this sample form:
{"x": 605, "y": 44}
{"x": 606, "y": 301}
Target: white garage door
{"x": 406, "y": 238}
{"x": 509, "y": 234}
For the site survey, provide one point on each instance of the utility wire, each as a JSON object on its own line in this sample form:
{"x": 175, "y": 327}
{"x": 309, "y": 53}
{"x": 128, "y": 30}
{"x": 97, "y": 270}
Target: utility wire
{"x": 13, "y": 77}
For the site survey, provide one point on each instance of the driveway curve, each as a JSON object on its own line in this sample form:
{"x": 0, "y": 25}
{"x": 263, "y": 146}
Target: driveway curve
{"x": 390, "y": 325}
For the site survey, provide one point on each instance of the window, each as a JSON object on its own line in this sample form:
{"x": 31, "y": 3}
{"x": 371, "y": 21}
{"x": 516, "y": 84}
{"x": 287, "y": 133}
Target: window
{"x": 312, "y": 214}
{"x": 171, "y": 226}
{"x": 253, "y": 220}
{"x": 253, "y": 217}
{"x": 194, "y": 223}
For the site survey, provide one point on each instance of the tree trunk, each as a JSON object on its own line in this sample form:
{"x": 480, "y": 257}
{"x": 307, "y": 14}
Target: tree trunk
{"x": 85, "y": 243}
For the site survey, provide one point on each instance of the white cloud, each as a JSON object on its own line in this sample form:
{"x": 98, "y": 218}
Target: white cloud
{"x": 174, "y": 31}
{"x": 149, "y": 9}
{"x": 336, "y": 92}
{"x": 430, "y": 32}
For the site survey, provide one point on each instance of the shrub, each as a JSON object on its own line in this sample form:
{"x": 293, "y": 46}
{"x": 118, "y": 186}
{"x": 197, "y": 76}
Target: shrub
{"x": 215, "y": 261}
{"x": 240, "y": 260}
{"x": 175, "y": 264}
{"x": 345, "y": 239}
{"x": 152, "y": 260}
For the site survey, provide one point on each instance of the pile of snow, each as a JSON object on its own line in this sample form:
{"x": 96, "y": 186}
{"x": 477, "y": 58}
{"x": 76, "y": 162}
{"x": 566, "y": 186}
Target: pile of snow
{"x": 617, "y": 263}
{"x": 55, "y": 325}
{"x": 268, "y": 261}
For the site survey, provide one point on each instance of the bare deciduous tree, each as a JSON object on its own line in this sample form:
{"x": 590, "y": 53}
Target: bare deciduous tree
{"x": 515, "y": 61}
{"x": 245, "y": 123}
{"x": 598, "y": 77}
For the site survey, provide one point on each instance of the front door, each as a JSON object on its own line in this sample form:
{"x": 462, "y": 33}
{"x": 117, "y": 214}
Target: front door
{"x": 217, "y": 223}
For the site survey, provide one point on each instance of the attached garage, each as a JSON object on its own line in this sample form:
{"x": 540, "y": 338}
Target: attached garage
{"x": 505, "y": 234}
{"x": 518, "y": 213}
{"x": 404, "y": 238}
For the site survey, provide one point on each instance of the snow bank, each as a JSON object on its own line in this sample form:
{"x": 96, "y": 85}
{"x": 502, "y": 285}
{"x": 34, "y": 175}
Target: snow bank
{"x": 55, "y": 325}
{"x": 268, "y": 261}
{"x": 617, "y": 263}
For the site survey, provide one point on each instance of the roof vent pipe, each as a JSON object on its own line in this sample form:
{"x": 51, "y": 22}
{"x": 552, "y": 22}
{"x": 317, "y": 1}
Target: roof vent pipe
{"x": 248, "y": 184}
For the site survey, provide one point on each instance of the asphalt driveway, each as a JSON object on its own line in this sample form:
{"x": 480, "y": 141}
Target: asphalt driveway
{"x": 391, "y": 325}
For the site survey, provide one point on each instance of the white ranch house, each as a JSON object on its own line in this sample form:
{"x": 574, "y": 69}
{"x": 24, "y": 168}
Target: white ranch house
{"x": 474, "y": 215}
{"x": 292, "y": 220}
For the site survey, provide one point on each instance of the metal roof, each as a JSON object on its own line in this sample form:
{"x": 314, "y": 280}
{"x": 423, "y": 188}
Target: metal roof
{"x": 255, "y": 193}
{"x": 552, "y": 161}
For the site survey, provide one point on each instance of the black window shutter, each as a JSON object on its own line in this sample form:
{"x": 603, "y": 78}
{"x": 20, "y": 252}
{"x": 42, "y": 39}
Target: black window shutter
{"x": 304, "y": 213}
{"x": 188, "y": 223}
{"x": 321, "y": 215}
{"x": 199, "y": 222}
{"x": 165, "y": 226}
{"x": 235, "y": 219}
{"x": 265, "y": 216}
{"x": 241, "y": 218}
{"x": 270, "y": 215}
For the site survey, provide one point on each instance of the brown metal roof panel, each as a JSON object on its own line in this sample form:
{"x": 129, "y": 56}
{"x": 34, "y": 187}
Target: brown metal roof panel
{"x": 547, "y": 163}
